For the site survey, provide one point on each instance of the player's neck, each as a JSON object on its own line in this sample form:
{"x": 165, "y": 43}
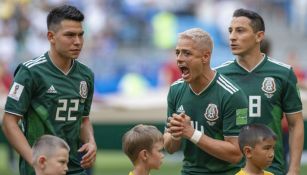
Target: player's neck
{"x": 203, "y": 81}
{"x": 250, "y": 61}
{"x": 64, "y": 64}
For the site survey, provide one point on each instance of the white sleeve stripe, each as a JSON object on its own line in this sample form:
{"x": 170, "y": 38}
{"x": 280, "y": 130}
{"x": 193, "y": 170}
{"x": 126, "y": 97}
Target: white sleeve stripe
{"x": 28, "y": 63}
{"x": 34, "y": 60}
{"x": 279, "y": 63}
{"x": 20, "y": 115}
{"x": 177, "y": 82}
{"x": 40, "y": 62}
{"x": 223, "y": 79}
{"x": 224, "y": 64}
{"x": 293, "y": 112}
{"x": 227, "y": 85}
{"x": 221, "y": 84}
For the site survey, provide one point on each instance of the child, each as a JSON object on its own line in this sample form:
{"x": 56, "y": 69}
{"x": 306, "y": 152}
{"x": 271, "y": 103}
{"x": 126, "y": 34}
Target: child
{"x": 143, "y": 144}
{"x": 257, "y": 143}
{"x": 50, "y": 156}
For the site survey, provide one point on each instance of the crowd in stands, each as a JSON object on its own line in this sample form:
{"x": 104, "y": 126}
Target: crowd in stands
{"x": 124, "y": 36}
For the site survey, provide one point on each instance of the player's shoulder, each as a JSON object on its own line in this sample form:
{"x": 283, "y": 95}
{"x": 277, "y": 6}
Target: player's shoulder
{"x": 178, "y": 86}
{"x": 278, "y": 64}
{"x": 83, "y": 67}
{"x": 178, "y": 82}
{"x": 226, "y": 84}
{"x": 224, "y": 65}
{"x": 35, "y": 62}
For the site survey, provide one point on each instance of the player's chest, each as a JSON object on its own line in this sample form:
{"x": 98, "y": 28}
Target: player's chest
{"x": 62, "y": 87}
{"x": 269, "y": 87}
{"x": 206, "y": 110}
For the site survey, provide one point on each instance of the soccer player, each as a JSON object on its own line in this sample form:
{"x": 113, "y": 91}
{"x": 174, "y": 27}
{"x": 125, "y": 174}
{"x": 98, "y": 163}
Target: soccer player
{"x": 50, "y": 156}
{"x": 270, "y": 86}
{"x": 143, "y": 144}
{"x": 206, "y": 110}
{"x": 52, "y": 94}
{"x": 257, "y": 143}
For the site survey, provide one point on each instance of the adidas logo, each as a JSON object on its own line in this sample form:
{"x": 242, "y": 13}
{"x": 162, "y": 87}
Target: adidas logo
{"x": 51, "y": 90}
{"x": 180, "y": 109}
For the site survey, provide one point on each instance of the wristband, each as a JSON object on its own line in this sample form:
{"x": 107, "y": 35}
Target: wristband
{"x": 176, "y": 138}
{"x": 196, "y": 136}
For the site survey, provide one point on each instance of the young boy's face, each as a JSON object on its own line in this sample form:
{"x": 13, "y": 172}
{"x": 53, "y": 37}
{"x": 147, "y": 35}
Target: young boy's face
{"x": 156, "y": 156}
{"x": 57, "y": 163}
{"x": 263, "y": 153}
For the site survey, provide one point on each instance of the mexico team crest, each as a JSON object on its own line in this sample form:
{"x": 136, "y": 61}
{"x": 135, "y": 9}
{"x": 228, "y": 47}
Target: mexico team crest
{"x": 212, "y": 114}
{"x": 268, "y": 86}
{"x": 83, "y": 89}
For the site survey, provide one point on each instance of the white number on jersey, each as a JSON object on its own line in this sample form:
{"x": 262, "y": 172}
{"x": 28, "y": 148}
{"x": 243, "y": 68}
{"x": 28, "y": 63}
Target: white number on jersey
{"x": 63, "y": 107}
{"x": 254, "y": 106}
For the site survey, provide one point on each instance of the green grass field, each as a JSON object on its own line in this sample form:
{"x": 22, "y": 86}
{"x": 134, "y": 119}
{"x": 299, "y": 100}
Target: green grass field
{"x": 107, "y": 163}
{"x": 115, "y": 163}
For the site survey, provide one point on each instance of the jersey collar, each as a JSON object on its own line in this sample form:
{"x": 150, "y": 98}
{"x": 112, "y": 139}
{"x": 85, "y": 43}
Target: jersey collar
{"x": 70, "y": 69}
{"x": 205, "y": 88}
{"x": 262, "y": 61}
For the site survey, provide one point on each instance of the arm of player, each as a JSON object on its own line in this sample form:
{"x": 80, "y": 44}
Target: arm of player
{"x": 172, "y": 135}
{"x": 296, "y": 141}
{"x": 171, "y": 145}
{"x": 15, "y": 136}
{"x": 89, "y": 144}
{"x": 227, "y": 149}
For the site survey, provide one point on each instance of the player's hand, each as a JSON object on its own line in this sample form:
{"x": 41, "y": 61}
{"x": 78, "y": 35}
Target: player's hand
{"x": 89, "y": 158}
{"x": 175, "y": 125}
{"x": 187, "y": 128}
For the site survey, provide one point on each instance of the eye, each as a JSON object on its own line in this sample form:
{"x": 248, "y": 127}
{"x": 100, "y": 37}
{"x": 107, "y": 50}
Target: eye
{"x": 186, "y": 53}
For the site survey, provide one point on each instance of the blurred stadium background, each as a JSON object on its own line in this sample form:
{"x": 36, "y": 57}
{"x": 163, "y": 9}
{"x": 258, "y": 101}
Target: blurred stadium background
{"x": 129, "y": 44}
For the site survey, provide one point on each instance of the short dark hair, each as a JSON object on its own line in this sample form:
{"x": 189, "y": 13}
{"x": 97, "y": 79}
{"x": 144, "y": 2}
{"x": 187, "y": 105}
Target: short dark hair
{"x": 265, "y": 46}
{"x": 61, "y": 13}
{"x": 252, "y": 134}
{"x": 257, "y": 22}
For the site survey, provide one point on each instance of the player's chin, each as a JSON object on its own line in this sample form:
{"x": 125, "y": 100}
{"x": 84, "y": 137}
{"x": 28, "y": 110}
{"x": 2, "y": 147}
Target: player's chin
{"x": 236, "y": 51}
{"x": 74, "y": 56}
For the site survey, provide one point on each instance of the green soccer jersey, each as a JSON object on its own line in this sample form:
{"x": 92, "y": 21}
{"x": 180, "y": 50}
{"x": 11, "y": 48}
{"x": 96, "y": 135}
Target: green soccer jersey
{"x": 52, "y": 102}
{"x": 219, "y": 110}
{"x": 271, "y": 88}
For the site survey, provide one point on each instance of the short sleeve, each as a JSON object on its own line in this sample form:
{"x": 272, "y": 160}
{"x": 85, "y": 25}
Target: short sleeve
{"x": 291, "y": 101}
{"x": 89, "y": 99}
{"x": 20, "y": 93}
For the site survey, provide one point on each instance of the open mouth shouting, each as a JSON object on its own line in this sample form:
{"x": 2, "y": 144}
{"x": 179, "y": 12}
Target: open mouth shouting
{"x": 185, "y": 71}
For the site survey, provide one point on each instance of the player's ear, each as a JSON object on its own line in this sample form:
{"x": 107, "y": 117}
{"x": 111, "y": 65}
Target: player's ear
{"x": 206, "y": 56}
{"x": 247, "y": 150}
{"x": 50, "y": 36}
{"x": 259, "y": 36}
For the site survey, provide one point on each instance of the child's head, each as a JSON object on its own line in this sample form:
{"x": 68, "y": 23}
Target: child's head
{"x": 50, "y": 155}
{"x": 144, "y": 143}
{"x": 257, "y": 143}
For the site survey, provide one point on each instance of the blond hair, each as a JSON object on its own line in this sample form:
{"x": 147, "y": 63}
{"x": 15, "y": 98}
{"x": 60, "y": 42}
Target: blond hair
{"x": 201, "y": 37}
{"x": 47, "y": 145}
{"x": 140, "y": 137}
